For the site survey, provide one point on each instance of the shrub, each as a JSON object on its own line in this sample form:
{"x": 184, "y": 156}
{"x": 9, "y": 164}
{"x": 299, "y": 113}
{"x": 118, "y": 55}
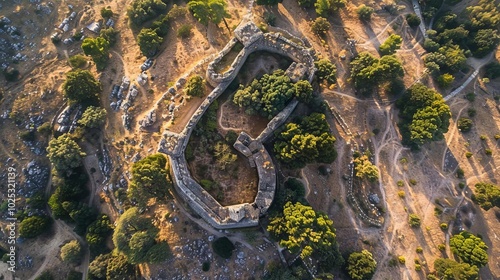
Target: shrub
{"x": 205, "y": 266}
{"x": 106, "y": 13}
{"x": 497, "y": 136}
{"x": 320, "y": 26}
{"x": 413, "y": 182}
{"x": 77, "y": 61}
{"x": 414, "y": 220}
{"x": 184, "y": 31}
{"x": 400, "y": 183}
{"x": 418, "y": 267}
{"x": 488, "y": 152}
{"x": 468, "y": 154}
{"x": 470, "y": 96}
{"x": 270, "y": 18}
{"x": 419, "y": 250}
{"x": 460, "y": 173}
{"x": 223, "y": 247}
{"x": 45, "y": 128}
{"x": 443, "y": 226}
{"x": 445, "y": 80}
{"x": 27, "y": 136}
{"x": 326, "y": 70}
{"x": 364, "y": 12}
{"x": 195, "y": 86}
{"x": 401, "y": 260}
{"x": 401, "y": 194}
{"x": 413, "y": 20}
{"x": 471, "y": 112}
{"x": 464, "y": 124}
{"x": 441, "y": 247}
{"x": 176, "y": 11}
{"x": 483, "y": 137}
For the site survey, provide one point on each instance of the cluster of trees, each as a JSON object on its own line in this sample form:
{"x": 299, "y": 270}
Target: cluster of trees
{"x": 305, "y": 142}
{"x": 451, "y": 269}
{"x": 98, "y": 49}
{"x": 150, "y": 179}
{"x": 206, "y": 11}
{"x": 97, "y": 233}
{"x": 364, "y": 12}
{"x": 470, "y": 250}
{"x": 33, "y": 226}
{"x": 64, "y": 154}
{"x": 368, "y": 72}
{"x": 141, "y": 11}
{"x": 326, "y": 71}
{"x": 365, "y": 169}
{"x": 268, "y": 95}
{"x": 306, "y": 232}
{"x": 113, "y": 266}
{"x": 390, "y": 45}
{"x": 425, "y": 115}
{"x": 323, "y": 7}
{"x": 486, "y": 195}
{"x": 93, "y": 117}
{"x": 81, "y": 86}
{"x": 136, "y": 238}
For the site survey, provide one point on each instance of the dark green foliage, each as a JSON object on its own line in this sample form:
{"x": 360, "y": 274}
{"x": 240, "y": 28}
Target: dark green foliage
{"x": 413, "y": 20}
{"x": 149, "y": 42}
{"x": 448, "y": 269}
{"x": 74, "y": 275}
{"x": 37, "y": 200}
{"x": 303, "y": 91}
{"x": 99, "y": 266}
{"x": 431, "y": 45}
{"x": 361, "y": 265}
{"x": 64, "y": 154}
{"x": 106, "y": 12}
{"x": 11, "y": 74}
{"x": 150, "y": 179}
{"x": 223, "y": 247}
{"x": 425, "y": 115}
{"x": 306, "y": 3}
{"x": 306, "y": 142}
{"x": 492, "y": 70}
{"x": 28, "y": 135}
{"x": 93, "y": 117}
{"x": 210, "y": 10}
{"x": 390, "y": 45}
{"x": 293, "y": 190}
{"x": 470, "y": 96}
{"x": 195, "y": 86}
{"x": 326, "y": 7}
{"x": 364, "y": 12}
{"x": 270, "y": 18}
{"x": 81, "y": 214}
{"x": 326, "y": 70}
{"x": 97, "y": 232}
{"x": 69, "y": 189}
{"x": 205, "y": 266}
{"x": 365, "y": 169}
{"x": 469, "y": 248}
{"x": 77, "y": 61}
{"x": 98, "y": 49}
{"x": 445, "y": 80}
{"x": 302, "y": 230}
{"x": 141, "y": 11}
{"x": 81, "y": 87}
{"x": 414, "y": 220}
{"x": 464, "y": 124}
{"x": 266, "y": 96}
{"x": 135, "y": 236}
{"x": 320, "y": 26}
{"x": 109, "y": 34}
{"x": 449, "y": 58}
{"x": 46, "y": 275}
{"x": 184, "y": 31}
{"x": 231, "y": 137}
{"x": 368, "y": 71}
{"x": 483, "y": 16}
{"x": 486, "y": 195}
{"x": 71, "y": 252}
{"x": 161, "y": 26}
{"x": 276, "y": 271}
{"x": 485, "y": 41}
{"x": 33, "y": 226}
{"x": 119, "y": 268}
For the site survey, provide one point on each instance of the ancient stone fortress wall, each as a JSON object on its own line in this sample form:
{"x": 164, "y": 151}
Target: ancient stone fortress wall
{"x": 246, "y": 214}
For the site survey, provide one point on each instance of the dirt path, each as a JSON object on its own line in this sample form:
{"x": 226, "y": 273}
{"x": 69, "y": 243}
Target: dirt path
{"x": 452, "y": 134}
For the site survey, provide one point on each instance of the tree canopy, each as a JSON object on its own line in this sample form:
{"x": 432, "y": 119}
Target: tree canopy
{"x": 361, "y": 265}
{"x": 150, "y": 179}
{"x": 326, "y": 70}
{"x": 210, "y": 10}
{"x": 141, "y": 11}
{"x": 71, "y": 252}
{"x": 305, "y": 142}
{"x": 149, "y": 41}
{"x": 425, "y": 115}
{"x": 64, "y": 153}
{"x": 302, "y": 230}
{"x": 97, "y": 232}
{"x": 469, "y": 248}
{"x": 364, "y": 12}
{"x": 98, "y": 49}
{"x": 93, "y": 117}
{"x": 390, "y": 45}
{"x": 81, "y": 86}
{"x": 33, "y": 226}
{"x": 195, "y": 86}
{"x": 110, "y": 266}
{"x": 448, "y": 269}
{"x": 326, "y": 7}
{"x": 320, "y": 26}
{"x": 368, "y": 71}
{"x": 365, "y": 169}
{"x": 486, "y": 195}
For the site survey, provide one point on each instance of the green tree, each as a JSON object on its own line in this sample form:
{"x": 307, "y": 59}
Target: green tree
{"x": 306, "y": 3}
{"x": 485, "y": 41}
{"x": 445, "y": 80}
{"x": 413, "y": 20}
{"x": 361, "y": 265}
{"x": 149, "y": 42}
{"x": 109, "y": 34}
{"x": 486, "y": 195}
{"x": 326, "y": 70}
{"x": 77, "y": 61}
{"x": 390, "y": 45}
{"x": 302, "y": 230}
{"x": 93, "y": 117}
{"x": 119, "y": 268}
{"x": 365, "y": 169}
{"x": 141, "y": 11}
{"x": 184, "y": 31}
{"x": 224, "y": 155}
{"x": 210, "y": 10}
{"x": 303, "y": 91}
{"x": 33, "y": 226}
{"x": 364, "y": 12}
{"x": 448, "y": 269}
{"x": 464, "y": 124}
{"x": 99, "y": 266}
{"x": 64, "y": 153}
{"x": 195, "y": 86}
{"x": 326, "y": 7}
{"x": 320, "y": 26}
{"x": 106, "y": 12}
{"x": 81, "y": 87}
{"x": 469, "y": 248}
{"x": 223, "y": 247}
{"x": 150, "y": 179}
{"x": 71, "y": 252}
{"x": 485, "y": 15}
{"x": 98, "y": 49}
{"x": 414, "y": 220}
{"x": 368, "y": 71}
{"x": 97, "y": 232}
